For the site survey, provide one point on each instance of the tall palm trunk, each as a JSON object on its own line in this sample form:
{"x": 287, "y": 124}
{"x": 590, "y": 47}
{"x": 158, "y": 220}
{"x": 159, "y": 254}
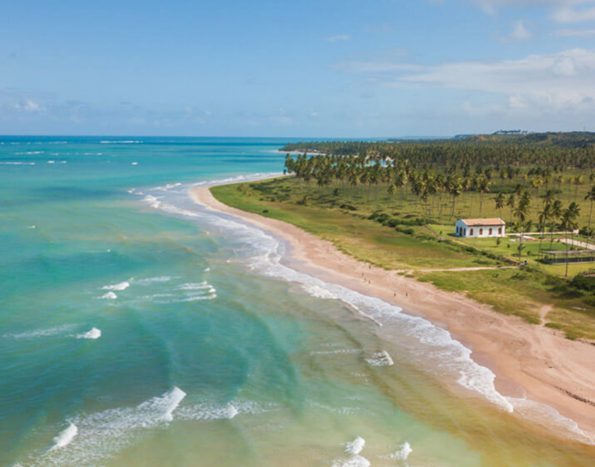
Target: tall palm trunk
{"x": 567, "y": 247}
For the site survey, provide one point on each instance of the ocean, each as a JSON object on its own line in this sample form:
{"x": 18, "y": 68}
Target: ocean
{"x": 138, "y": 328}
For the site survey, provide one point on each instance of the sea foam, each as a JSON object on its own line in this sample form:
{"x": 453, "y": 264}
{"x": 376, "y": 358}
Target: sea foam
{"x": 65, "y": 437}
{"x": 170, "y": 402}
{"x": 206, "y": 411}
{"x": 103, "y": 434}
{"x": 47, "y": 332}
{"x": 93, "y": 333}
{"x": 109, "y": 296}
{"x": 402, "y": 453}
{"x": 119, "y": 286}
{"x": 152, "y": 280}
{"x": 93, "y": 438}
{"x": 356, "y": 446}
{"x": 120, "y": 141}
{"x": 180, "y": 293}
{"x": 353, "y": 448}
{"x": 381, "y": 358}
{"x": 551, "y": 418}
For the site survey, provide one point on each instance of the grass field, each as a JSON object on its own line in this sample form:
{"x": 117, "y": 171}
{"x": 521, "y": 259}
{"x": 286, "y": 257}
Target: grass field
{"x": 373, "y": 227}
{"x": 507, "y": 247}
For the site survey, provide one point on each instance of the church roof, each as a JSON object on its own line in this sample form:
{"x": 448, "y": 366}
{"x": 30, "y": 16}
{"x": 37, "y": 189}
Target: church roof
{"x": 483, "y": 222}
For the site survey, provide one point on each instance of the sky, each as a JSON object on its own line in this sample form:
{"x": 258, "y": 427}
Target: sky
{"x": 309, "y": 68}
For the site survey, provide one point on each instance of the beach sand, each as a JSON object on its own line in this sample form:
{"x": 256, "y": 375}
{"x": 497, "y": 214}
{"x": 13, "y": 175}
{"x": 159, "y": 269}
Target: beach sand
{"x": 529, "y": 360}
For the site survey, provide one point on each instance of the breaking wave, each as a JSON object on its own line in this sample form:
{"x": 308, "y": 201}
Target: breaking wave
{"x": 109, "y": 296}
{"x": 93, "y": 333}
{"x": 402, "y": 453}
{"x": 381, "y": 358}
{"x": 101, "y": 435}
{"x": 119, "y": 286}
{"x": 353, "y": 449}
{"x": 120, "y": 141}
{"x": 65, "y": 437}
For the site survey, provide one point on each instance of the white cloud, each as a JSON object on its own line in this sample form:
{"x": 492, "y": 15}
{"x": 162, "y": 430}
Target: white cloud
{"x": 28, "y": 105}
{"x": 563, "y": 11}
{"x": 575, "y": 32}
{"x": 574, "y": 15}
{"x": 563, "y": 81}
{"x": 492, "y": 6}
{"x": 339, "y": 38}
{"x": 520, "y": 31}
{"x": 377, "y": 67}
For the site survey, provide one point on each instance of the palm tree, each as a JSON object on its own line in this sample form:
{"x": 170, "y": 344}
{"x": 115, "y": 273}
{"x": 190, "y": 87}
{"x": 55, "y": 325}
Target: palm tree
{"x": 569, "y": 223}
{"x": 555, "y": 213}
{"x": 578, "y": 180}
{"x": 510, "y": 202}
{"x": 591, "y": 197}
{"x": 483, "y": 187}
{"x": 455, "y": 188}
{"x": 499, "y": 200}
{"x": 544, "y": 216}
{"x": 521, "y": 213}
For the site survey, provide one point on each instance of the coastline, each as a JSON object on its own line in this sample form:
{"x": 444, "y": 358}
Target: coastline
{"x": 529, "y": 361}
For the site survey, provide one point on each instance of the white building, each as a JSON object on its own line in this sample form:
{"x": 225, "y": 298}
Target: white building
{"x": 479, "y": 228}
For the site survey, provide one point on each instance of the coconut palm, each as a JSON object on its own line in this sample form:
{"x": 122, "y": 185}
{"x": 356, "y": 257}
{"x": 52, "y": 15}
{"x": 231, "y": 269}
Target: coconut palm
{"x": 499, "y": 200}
{"x": 455, "y": 188}
{"x": 511, "y": 202}
{"x": 591, "y": 197}
{"x": 483, "y": 186}
{"x": 520, "y": 213}
{"x": 569, "y": 223}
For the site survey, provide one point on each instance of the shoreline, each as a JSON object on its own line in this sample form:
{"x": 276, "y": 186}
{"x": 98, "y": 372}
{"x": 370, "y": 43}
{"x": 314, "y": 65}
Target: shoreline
{"x": 529, "y": 361}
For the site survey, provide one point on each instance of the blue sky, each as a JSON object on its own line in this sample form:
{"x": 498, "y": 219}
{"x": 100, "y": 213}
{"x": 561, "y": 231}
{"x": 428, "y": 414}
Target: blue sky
{"x": 337, "y": 68}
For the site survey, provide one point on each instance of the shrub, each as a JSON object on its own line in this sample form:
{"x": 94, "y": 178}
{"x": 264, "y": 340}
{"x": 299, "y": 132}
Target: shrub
{"x": 584, "y": 282}
{"x": 405, "y": 230}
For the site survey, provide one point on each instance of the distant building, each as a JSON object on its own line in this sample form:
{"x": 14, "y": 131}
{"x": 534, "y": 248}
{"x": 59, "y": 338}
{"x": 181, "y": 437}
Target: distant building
{"x": 511, "y": 132}
{"x": 479, "y": 228}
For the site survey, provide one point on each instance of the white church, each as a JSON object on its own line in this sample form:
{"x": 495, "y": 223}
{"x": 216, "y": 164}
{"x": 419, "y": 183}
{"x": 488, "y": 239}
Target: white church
{"x": 481, "y": 228}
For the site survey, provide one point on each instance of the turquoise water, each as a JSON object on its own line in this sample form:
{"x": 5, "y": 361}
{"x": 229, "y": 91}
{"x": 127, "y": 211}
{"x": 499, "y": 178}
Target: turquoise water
{"x": 137, "y": 328}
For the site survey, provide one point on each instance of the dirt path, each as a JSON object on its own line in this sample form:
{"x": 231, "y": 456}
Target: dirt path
{"x": 543, "y": 312}
{"x": 585, "y": 245}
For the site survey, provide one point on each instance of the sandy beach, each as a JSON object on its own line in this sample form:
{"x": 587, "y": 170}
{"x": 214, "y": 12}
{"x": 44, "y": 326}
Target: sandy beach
{"x": 529, "y": 361}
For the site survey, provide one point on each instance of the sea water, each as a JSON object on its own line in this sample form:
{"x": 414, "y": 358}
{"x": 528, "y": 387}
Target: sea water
{"x": 138, "y": 328}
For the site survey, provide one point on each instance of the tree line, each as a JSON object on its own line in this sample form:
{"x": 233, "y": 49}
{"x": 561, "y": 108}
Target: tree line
{"x": 519, "y": 173}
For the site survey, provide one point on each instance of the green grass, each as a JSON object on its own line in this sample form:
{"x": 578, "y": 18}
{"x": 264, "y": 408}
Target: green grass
{"x": 356, "y": 235}
{"x": 372, "y": 227}
{"x": 507, "y": 247}
{"x": 509, "y": 291}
